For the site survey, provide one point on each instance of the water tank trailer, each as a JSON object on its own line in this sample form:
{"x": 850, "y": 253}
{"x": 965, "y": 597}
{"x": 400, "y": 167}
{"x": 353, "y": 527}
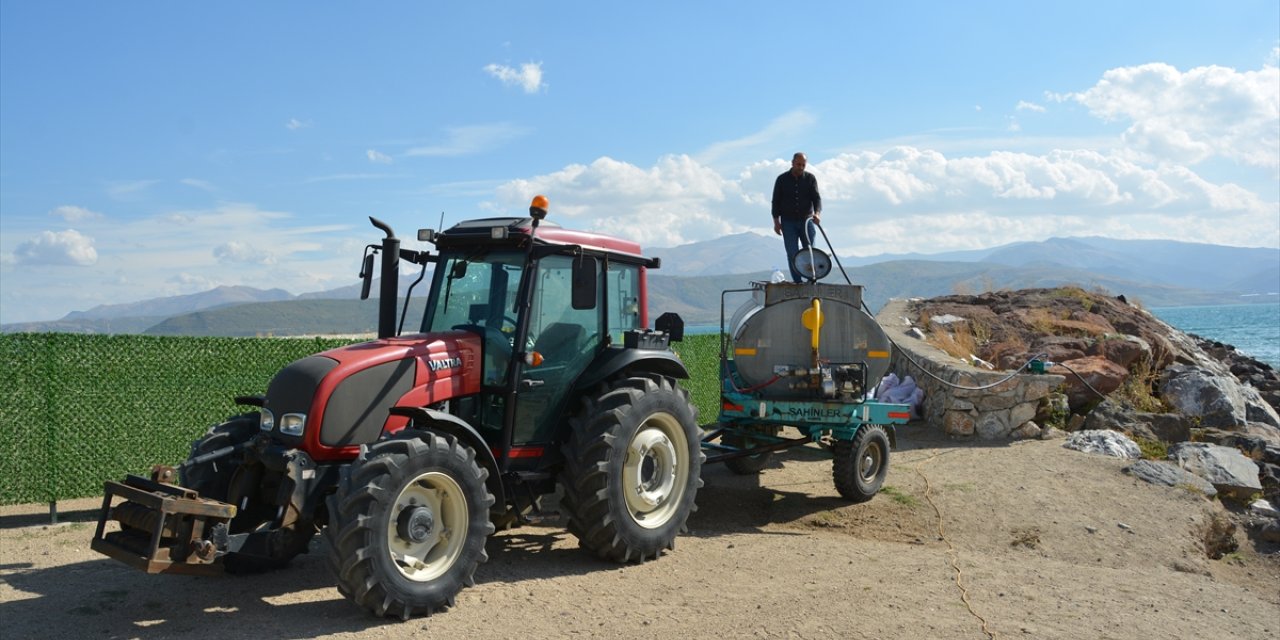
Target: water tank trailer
{"x": 806, "y": 356}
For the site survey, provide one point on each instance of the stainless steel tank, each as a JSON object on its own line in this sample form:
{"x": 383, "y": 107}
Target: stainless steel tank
{"x": 773, "y": 349}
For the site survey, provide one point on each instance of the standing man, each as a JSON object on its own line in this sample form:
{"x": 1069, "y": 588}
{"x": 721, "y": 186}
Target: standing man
{"x": 796, "y": 207}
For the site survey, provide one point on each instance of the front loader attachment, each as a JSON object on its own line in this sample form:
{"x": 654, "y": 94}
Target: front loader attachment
{"x": 164, "y": 528}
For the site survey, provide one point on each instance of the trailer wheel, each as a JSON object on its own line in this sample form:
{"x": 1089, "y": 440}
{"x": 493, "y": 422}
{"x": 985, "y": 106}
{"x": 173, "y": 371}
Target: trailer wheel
{"x": 749, "y": 465}
{"x": 861, "y": 464}
{"x": 408, "y": 524}
{"x": 221, "y": 479}
{"x": 632, "y": 470}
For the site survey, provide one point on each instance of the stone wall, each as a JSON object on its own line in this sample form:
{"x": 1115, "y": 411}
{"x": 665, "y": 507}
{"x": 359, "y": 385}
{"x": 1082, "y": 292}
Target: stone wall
{"x": 1003, "y": 411}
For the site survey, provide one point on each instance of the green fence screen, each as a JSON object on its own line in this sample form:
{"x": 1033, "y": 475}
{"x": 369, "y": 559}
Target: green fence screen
{"x": 76, "y": 410}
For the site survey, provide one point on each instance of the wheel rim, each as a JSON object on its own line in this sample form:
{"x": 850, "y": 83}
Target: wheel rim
{"x": 427, "y": 526}
{"x": 870, "y": 462}
{"x": 655, "y": 471}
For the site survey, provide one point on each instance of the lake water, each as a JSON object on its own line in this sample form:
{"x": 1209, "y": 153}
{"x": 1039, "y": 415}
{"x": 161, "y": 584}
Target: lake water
{"x": 1253, "y": 329}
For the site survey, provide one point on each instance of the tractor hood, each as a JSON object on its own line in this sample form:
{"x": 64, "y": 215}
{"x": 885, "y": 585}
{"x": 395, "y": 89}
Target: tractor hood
{"x": 330, "y": 403}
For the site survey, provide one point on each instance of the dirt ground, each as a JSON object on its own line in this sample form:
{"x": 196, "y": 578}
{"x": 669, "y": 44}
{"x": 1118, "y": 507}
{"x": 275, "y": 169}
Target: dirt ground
{"x": 1041, "y": 541}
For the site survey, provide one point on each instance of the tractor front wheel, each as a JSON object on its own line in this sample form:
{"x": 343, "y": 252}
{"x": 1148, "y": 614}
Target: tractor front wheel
{"x": 861, "y": 464}
{"x": 632, "y": 470}
{"x": 408, "y": 524}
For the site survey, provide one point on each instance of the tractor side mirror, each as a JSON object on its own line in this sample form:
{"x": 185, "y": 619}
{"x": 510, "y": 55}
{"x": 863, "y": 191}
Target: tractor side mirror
{"x": 586, "y": 271}
{"x": 366, "y": 276}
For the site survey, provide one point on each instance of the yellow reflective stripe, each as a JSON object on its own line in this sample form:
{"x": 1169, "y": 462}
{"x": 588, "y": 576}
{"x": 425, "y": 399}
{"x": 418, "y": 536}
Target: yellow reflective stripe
{"x": 744, "y": 351}
{"x": 877, "y": 354}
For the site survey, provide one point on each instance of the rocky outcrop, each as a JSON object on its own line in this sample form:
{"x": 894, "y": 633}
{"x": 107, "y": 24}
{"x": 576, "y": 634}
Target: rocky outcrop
{"x": 1121, "y": 371}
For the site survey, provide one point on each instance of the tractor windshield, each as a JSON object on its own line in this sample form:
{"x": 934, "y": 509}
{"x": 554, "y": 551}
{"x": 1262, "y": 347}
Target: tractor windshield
{"x": 477, "y": 291}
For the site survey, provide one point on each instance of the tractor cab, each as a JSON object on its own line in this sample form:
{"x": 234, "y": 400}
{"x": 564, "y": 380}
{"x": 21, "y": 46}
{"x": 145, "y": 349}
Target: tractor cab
{"x": 544, "y": 310}
{"x": 554, "y": 311}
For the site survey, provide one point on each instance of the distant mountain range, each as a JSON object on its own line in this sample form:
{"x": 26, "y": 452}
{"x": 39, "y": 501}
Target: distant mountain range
{"x": 1155, "y": 272}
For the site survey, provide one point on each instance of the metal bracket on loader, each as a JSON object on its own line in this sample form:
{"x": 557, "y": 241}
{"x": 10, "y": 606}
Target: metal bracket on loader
{"x": 164, "y": 528}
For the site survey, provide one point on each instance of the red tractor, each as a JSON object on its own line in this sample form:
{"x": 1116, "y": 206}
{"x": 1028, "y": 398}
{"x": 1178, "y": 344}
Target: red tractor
{"x": 531, "y": 369}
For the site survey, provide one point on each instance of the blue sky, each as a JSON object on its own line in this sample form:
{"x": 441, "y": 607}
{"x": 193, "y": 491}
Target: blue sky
{"x": 151, "y": 149}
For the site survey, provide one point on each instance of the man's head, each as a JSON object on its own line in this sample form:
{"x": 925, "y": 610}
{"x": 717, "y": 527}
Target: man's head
{"x": 798, "y": 162}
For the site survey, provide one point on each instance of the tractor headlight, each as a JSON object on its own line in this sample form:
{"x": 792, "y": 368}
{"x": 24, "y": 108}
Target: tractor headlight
{"x": 293, "y": 424}
{"x": 266, "y": 419}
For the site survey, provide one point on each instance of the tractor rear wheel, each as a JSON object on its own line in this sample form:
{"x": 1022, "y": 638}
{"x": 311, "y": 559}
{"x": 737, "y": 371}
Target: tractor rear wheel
{"x": 633, "y": 467}
{"x": 225, "y": 479}
{"x": 861, "y": 464}
{"x": 408, "y": 524}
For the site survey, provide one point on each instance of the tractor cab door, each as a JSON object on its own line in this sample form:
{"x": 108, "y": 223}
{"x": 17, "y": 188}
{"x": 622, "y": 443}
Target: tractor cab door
{"x": 565, "y": 338}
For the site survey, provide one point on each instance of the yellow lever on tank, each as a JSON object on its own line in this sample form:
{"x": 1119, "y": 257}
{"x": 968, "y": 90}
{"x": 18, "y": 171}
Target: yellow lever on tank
{"x": 812, "y": 320}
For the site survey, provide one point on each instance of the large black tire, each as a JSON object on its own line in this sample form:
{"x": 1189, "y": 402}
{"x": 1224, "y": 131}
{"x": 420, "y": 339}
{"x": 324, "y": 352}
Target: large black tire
{"x": 214, "y": 480}
{"x": 408, "y": 524}
{"x": 633, "y": 467}
{"x": 749, "y": 465}
{"x": 861, "y": 464}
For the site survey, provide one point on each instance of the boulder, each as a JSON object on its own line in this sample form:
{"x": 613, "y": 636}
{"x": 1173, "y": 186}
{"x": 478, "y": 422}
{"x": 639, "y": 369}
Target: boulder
{"x": 1107, "y": 443}
{"x": 1218, "y": 400}
{"x": 1060, "y": 348}
{"x": 1166, "y": 427}
{"x": 1052, "y": 433}
{"x": 1027, "y": 430}
{"x": 1169, "y": 476}
{"x": 1121, "y": 349}
{"x": 1053, "y": 410}
{"x": 1229, "y": 470}
{"x": 1100, "y": 373}
{"x": 958, "y": 423}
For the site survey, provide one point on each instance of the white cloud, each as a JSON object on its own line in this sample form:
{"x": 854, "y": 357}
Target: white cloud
{"x": 294, "y": 124}
{"x": 377, "y": 157}
{"x": 202, "y": 185}
{"x": 236, "y": 251}
{"x": 908, "y": 199}
{"x": 1023, "y": 105}
{"x": 174, "y": 253}
{"x": 75, "y": 214}
{"x": 127, "y": 189}
{"x": 788, "y": 126}
{"x": 1194, "y": 115}
{"x": 57, "y": 248}
{"x": 471, "y": 139}
{"x": 527, "y": 77}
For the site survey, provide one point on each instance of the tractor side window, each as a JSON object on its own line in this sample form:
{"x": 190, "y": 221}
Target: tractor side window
{"x": 624, "y": 300}
{"x": 562, "y": 334}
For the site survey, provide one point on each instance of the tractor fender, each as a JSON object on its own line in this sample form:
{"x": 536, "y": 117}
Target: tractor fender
{"x": 606, "y": 365}
{"x": 430, "y": 419}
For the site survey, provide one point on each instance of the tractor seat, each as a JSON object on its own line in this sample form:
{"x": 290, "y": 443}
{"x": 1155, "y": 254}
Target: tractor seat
{"x": 560, "y": 341}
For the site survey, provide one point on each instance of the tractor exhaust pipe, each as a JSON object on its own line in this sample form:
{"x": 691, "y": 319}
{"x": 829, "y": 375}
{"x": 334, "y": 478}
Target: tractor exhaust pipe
{"x": 388, "y": 291}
